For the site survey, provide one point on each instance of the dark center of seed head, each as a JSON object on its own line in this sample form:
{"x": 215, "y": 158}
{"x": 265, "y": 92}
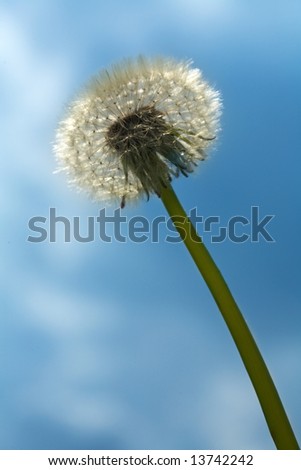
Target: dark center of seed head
{"x": 143, "y": 128}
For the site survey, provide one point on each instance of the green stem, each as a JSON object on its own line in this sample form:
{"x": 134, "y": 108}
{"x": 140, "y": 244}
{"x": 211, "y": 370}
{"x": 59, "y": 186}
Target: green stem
{"x": 265, "y": 389}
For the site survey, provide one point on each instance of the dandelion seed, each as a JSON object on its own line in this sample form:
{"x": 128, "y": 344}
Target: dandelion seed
{"x": 136, "y": 127}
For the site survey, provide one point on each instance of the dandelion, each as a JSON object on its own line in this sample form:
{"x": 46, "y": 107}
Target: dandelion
{"x": 136, "y": 127}
{"x": 130, "y": 132}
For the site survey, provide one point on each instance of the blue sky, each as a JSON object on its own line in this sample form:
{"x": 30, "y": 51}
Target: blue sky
{"x": 120, "y": 346}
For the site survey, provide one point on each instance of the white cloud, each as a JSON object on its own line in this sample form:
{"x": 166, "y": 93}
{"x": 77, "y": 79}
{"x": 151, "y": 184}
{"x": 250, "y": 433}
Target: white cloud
{"x": 232, "y": 413}
{"x": 70, "y": 385}
{"x": 34, "y": 86}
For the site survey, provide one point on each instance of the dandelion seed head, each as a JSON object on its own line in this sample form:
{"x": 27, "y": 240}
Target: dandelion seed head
{"x": 136, "y": 127}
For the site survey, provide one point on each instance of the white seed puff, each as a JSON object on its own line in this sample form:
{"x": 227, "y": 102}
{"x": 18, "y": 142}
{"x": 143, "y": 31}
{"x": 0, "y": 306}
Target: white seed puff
{"x": 134, "y": 127}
